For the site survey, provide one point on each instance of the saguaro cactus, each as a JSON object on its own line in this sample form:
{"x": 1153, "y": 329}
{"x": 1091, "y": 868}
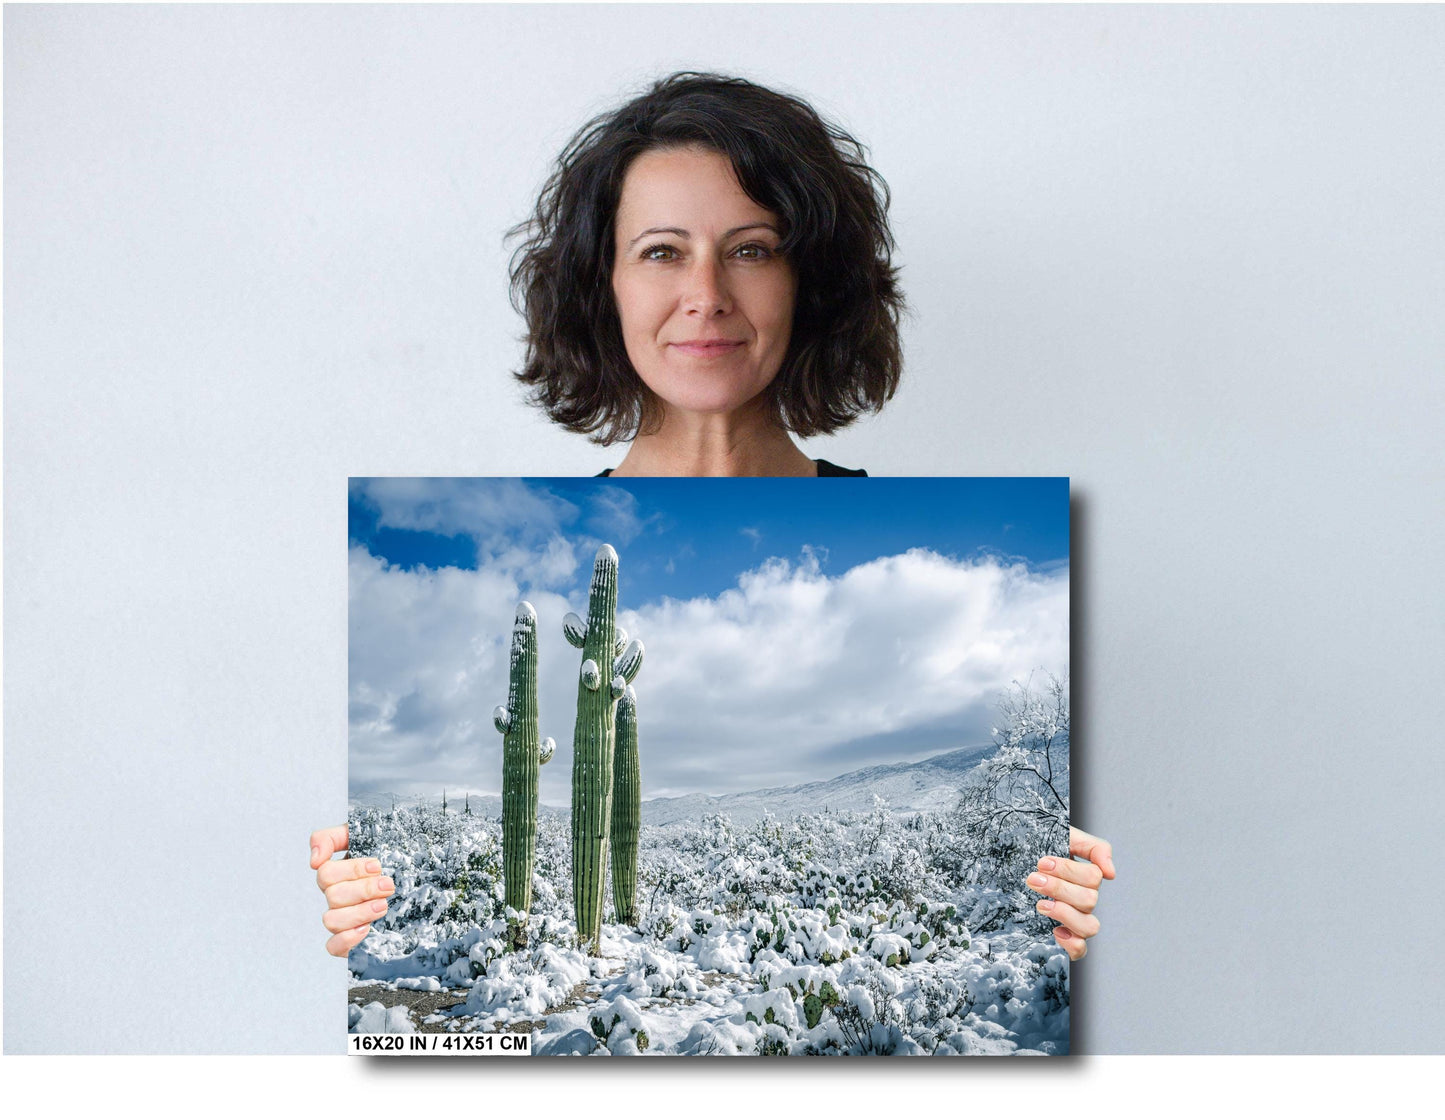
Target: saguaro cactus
{"x": 522, "y": 756}
{"x": 593, "y": 738}
{"x": 626, "y": 810}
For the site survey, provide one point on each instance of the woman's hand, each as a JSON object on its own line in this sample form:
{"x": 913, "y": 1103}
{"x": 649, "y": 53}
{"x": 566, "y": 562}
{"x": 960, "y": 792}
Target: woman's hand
{"x": 355, "y": 890}
{"x": 1073, "y": 889}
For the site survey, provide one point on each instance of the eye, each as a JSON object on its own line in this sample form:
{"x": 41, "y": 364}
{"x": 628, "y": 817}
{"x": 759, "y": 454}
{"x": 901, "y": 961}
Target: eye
{"x": 753, "y": 251}
{"x": 659, "y": 252}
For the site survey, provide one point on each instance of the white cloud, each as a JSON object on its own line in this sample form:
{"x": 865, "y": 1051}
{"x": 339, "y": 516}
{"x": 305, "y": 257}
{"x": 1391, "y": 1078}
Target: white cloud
{"x": 613, "y": 515}
{"x": 417, "y": 667}
{"x": 484, "y": 509}
{"x": 428, "y": 663}
{"x": 791, "y": 676}
{"x": 770, "y": 680}
{"x": 517, "y": 526}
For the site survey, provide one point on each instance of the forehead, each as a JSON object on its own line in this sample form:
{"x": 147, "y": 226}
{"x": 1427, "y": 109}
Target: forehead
{"x": 684, "y": 187}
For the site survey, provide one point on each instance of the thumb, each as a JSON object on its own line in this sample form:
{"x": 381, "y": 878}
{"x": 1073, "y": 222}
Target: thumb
{"x": 326, "y": 842}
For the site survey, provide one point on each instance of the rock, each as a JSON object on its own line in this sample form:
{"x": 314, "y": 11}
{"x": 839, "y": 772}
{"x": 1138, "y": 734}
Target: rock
{"x": 573, "y": 1042}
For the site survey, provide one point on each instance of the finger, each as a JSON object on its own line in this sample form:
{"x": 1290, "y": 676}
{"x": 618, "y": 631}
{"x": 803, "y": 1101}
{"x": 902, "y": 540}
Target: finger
{"x": 337, "y": 870}
{"x": 343, "y": 942}
{"x": 1084, "y": 925}
{"x": 349, "y": 917}
{"x": 1092, "y": 849}
{"x": 1082, "y": 899}
{"x": 1073, "y": 944}
{"x": 349, "y": 892}
{"x": 326, "y": 842}
{"x": 1074, "y": 870}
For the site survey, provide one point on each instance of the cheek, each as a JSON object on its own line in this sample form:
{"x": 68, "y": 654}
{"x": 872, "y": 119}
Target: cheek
{"x": 638, "y": 308}
{"x": 782, "y": 301}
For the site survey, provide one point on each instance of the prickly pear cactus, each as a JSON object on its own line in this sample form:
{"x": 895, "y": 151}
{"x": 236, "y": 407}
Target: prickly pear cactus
{"x": 626, "y": 809}
{"x": 593, "y": 739}
{"x": 522, "y": 756}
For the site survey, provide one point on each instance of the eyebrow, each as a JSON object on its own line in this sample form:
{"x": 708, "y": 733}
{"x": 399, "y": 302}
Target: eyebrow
{"x": 687, "y": 236}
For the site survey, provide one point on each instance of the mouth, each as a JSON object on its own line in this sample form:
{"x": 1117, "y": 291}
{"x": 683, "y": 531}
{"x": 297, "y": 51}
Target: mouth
{"x": 707, "y": 348}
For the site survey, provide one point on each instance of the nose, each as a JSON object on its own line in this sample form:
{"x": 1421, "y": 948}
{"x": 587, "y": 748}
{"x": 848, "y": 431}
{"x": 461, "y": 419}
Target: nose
{"x": 706, "y": 293}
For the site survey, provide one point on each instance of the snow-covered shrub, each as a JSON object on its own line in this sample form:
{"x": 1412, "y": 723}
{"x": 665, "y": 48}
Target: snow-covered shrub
{"x": 526, "y": 983}
{"x": 869, "y": 1019}
{"x": 658, "y": 974}
{"x": 618, "y": 1025}
{"x": 376, "y": 1019}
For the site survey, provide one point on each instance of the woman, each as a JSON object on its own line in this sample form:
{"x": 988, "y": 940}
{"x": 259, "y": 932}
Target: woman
{"x": 707, "y": 274}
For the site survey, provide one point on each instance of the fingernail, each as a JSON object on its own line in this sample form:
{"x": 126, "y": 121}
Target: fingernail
{"x": 378, "y": 907}
{"x": 1047, "y": 863}
{"x": 1046, "y": 904}
{"x": 1038, "y": 880}
{"x": 372, "y": 867}
{"x": 315, "y": 853}
{"x": 386, "y": 884}
{"x": 1064, "y": 931}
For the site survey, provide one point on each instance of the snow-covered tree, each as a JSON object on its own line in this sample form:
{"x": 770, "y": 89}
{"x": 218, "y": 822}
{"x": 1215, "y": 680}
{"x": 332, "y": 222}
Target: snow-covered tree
{"x": 1016, "y": 808}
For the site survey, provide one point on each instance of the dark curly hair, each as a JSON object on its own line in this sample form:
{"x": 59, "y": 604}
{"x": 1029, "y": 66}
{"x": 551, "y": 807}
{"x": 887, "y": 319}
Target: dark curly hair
{"x": 844, "y": 355}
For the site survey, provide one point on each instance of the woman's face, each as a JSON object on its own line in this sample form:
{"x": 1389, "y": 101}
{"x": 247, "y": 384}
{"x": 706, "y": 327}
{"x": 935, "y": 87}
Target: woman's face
{"x": 705, "y": 300}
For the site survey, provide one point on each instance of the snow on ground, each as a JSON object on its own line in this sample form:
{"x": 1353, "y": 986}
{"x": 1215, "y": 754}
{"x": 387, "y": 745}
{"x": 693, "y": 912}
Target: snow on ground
{"x": 832, "y": 933}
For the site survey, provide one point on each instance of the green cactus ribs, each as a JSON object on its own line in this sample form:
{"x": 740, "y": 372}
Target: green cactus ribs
{"x": 604, "y": 646}
{"x": 626, "y": 810}
{"x": 522, "y": 756}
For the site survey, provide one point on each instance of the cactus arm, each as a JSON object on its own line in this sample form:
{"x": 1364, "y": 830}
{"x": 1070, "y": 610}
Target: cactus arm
{"x": 501, "y": 718}
{"x": 629, "y": 662}
{"x": 546, "y": 751}
{"x": 591, "y": 675}
{"x": 620, "y": 642}
{"x": 574, "y": 630}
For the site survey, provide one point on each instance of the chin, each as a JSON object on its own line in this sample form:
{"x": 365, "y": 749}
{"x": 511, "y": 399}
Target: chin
{"x": 706, "y": 400}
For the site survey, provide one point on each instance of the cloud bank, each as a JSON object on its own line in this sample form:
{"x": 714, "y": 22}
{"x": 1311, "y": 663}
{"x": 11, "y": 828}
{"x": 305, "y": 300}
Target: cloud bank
{"x": 793, "y": 675}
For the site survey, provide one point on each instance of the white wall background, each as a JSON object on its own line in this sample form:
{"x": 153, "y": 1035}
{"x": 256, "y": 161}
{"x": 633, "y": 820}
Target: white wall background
{"x": 1192, "y": 257}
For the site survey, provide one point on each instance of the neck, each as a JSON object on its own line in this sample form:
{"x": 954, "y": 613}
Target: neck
{"x": 742, "y": 443}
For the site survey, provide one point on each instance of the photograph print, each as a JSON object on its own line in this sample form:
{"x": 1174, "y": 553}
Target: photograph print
{"x": 711, "y": 766}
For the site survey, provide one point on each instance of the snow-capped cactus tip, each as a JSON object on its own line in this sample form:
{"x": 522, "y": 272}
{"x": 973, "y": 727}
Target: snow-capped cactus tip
{"x": 526, "y": 612}
{"x": 591, "y": 675}
{"x": 501, "y": 718}
{"x": 574, "y": 629}
{"x": 546, "y": 750}
{"x": 626, "y": 698}
{"x": 608, "y": 553}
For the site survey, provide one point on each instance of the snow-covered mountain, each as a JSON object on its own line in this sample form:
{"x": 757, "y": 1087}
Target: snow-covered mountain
{"x": 928, "y": 785}
{"x": 931, "y": 784}
{"x": 482, "y": 805}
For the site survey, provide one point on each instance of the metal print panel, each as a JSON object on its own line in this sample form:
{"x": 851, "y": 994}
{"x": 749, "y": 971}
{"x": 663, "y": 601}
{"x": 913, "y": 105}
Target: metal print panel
{"x": 711, "y": 766}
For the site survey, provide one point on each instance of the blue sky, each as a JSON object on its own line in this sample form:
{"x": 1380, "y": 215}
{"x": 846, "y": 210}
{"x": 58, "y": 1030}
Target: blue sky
{"x": 795, "y": 629}
{"x": 689, "y": 537}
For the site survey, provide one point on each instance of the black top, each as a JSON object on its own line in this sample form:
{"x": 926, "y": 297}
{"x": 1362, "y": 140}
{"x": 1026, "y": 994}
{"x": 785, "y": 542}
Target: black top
{"x": 825, "y": 470}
